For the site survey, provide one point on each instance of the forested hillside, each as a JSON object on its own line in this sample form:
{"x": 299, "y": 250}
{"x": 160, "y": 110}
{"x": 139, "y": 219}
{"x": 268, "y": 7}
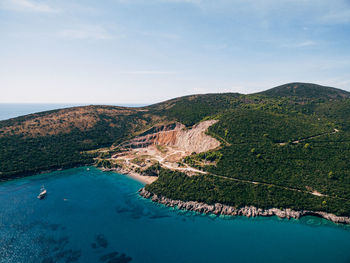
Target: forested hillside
{"x": 286, "y": 147}
{"x": 60, "y": 138}
{"x": 290, "y": 144}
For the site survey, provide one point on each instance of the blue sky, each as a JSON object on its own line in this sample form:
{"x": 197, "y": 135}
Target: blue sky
{"x": 144, "y": 51}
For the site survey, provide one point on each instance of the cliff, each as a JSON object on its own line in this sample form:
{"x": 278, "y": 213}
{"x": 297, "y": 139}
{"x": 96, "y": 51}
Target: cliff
{"x": 248, "y": 211}
{"x": 178, "y": 136}
{"x": 166, "y": 145}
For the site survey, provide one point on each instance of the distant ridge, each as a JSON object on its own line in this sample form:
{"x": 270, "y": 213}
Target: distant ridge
{"x": 306, "y": 90}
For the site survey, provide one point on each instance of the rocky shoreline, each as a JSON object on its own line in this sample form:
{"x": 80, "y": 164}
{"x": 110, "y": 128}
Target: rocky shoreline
{"x": 249, "y": 211}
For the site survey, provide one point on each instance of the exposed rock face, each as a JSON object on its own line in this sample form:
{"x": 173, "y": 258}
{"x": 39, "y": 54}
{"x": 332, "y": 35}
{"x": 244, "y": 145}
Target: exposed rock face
{"x": 195, "y": 139}
{"x": 161, "y": 135}
{"x": 166, "y": 145}
{"x": 176, "y": 135}
{"x": 249, "y": 211}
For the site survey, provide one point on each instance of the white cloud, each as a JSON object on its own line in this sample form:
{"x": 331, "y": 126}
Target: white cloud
{"x": 147, "y": 72}
{"x": 161, "y": 35}
{"x": 27, "y": 6}
{"x": 216, "y": 47}
{"x": 317, "y": 11}
{"x": 160, "y": 1}
{"x": 182, "y": 1}
{"x": 337, "y": 17}
{"x": 307, "y": 43}
{"x": 88, "y": 32}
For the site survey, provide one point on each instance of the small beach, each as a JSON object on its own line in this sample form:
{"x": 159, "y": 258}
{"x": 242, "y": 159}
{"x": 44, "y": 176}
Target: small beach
{"x": 92, "y": 216}
{"x": 142, "y": 178}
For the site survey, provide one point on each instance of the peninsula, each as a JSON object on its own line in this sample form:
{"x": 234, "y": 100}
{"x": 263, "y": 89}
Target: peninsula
{"x": 280, "y": 152}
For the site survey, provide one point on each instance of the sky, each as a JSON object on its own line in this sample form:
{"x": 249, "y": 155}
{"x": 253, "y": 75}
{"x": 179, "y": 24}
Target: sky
{"x": 146, "y": 51}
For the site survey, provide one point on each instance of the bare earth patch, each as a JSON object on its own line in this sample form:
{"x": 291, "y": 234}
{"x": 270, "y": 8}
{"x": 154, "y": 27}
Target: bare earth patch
{"x": 167, "y": 145}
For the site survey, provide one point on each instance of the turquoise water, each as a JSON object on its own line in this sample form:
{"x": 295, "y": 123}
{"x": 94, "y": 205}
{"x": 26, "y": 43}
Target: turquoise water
{"x": 91, "y": 216}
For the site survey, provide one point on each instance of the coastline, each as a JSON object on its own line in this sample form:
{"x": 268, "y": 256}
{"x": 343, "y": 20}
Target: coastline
{"x": 248, "y": 211}
{"x": 31, "y": 173}
{"x": 217, "y": 208}
{"x": 145, "y": 179}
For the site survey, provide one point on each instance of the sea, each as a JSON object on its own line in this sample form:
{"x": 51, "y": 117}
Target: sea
{"x": 93, "y": 216}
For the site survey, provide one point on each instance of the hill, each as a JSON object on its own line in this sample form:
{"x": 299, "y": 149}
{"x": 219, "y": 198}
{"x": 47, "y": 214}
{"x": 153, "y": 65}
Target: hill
{"x": 306, "y": 90}
{"x": 286, "y": 147}
{"x": 57, "y": 139}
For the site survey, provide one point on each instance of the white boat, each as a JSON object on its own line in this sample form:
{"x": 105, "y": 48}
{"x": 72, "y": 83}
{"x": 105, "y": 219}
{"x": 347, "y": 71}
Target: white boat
{"x": 42, "y": 193}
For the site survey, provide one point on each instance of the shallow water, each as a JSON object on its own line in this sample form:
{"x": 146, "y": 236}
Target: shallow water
{"x": 91, "y": 216}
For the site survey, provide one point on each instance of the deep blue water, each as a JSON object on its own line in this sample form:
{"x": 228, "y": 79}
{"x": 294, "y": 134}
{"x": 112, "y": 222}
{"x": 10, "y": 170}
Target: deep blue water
{"x": 92, "y": 216}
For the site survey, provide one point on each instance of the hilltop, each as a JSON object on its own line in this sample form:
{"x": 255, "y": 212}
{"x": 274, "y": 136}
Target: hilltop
{"x": 285, "y": 147}
{"x": 306, "y": 90}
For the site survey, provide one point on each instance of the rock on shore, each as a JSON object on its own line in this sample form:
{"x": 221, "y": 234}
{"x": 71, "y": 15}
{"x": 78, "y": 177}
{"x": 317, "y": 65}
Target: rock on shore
{"x": 249, "y": 211}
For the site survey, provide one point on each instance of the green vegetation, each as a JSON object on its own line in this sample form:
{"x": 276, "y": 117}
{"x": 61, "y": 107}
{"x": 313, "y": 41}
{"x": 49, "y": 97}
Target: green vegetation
{"x": 306, "y": 90}
{"x": 203, "y": 159}
{"x": 153, "y": 170}
{"x": 28, "y": 154}
{"x": 192, "y": 109}
{"x": 23, "y": 156}
{"x": 161, "y": 148}
{"x": 211, "y": 190}
{"x": 104, "y": 163}
{"x": 293, "y": 140}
